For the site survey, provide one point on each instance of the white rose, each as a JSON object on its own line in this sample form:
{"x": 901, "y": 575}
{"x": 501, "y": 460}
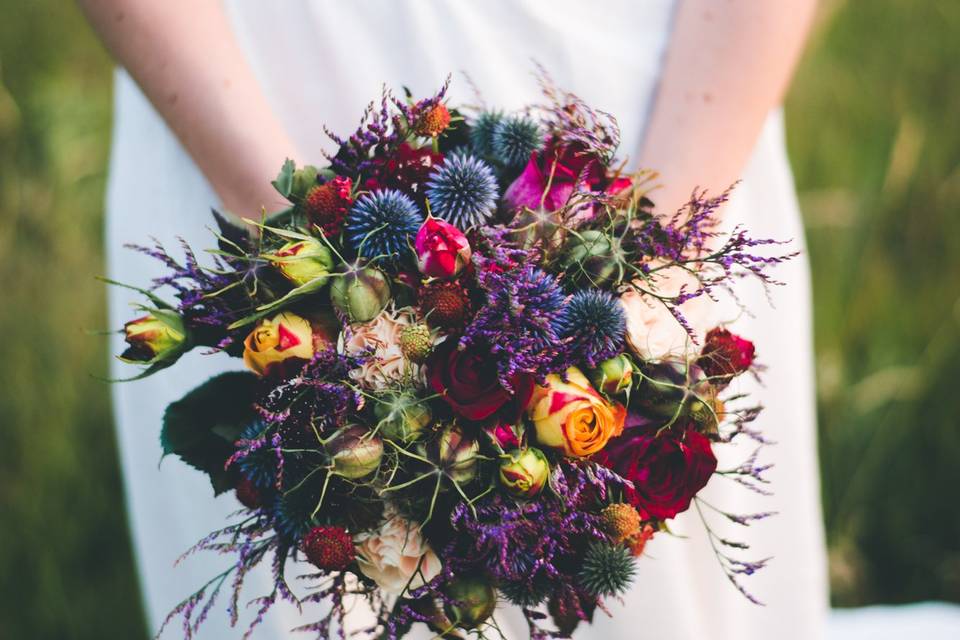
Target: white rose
{"x": 653, "y": 333}
{"x": 396, "y": 556}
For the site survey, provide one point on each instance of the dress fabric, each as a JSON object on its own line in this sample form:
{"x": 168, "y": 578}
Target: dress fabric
{"x": 320, "y": 62}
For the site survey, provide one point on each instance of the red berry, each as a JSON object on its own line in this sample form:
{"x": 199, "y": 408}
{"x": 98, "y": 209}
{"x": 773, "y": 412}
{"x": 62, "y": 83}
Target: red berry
{"x": 329, "y": 548}
{"x": 326, "y": 205}
{"x": 444, "y": 304}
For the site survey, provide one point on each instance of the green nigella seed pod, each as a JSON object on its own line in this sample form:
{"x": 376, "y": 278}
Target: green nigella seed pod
{"x": 607, "y": 569}
{"x": 360, "y": 294}
{"x": 475, "y": 601}
{"x": 456, "y": 455}
{"x": 355, "y": 453}
{"x": 593, "y": 256}
{"x": 401, "y": 417}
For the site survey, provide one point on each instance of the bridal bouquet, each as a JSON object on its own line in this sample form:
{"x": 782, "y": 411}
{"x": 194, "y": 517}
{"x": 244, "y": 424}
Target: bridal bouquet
{"x": 469, "y": 379}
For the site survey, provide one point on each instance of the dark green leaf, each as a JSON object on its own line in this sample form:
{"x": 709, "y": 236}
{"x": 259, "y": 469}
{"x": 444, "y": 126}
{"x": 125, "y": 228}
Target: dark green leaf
{"x": 202, "y": 426}
{"x": 284, "y": 182}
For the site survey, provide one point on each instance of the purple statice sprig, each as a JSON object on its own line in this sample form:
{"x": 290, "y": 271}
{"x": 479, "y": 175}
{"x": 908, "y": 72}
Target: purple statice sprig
{"x": 376, "y": 133}
{"x": 572, "y": 121}
{"x": 209, "y": 299}
{"x": 517, "y": 322}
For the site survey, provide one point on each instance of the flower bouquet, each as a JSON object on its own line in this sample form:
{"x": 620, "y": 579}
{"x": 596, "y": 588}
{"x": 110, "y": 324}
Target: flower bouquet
{"x": 458, "y": 392}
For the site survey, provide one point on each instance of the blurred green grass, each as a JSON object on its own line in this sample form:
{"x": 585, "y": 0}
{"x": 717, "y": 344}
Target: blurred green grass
{"x": 877, "y": 162}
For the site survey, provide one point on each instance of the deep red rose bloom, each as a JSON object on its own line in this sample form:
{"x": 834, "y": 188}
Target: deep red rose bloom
{"x": 407, "y": 170}
{"x": 725, "y": 354}
{"x": 666, "y": 470}
{"x": 469, "y": 383}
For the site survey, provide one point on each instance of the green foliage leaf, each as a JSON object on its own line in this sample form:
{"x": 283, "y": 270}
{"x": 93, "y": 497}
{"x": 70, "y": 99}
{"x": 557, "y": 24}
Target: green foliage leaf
{"x": 201, "y": 427}
{"x": 284, "y": 182}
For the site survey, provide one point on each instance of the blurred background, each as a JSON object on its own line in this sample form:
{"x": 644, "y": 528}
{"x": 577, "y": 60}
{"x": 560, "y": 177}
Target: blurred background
{"x": 871, "y": 120}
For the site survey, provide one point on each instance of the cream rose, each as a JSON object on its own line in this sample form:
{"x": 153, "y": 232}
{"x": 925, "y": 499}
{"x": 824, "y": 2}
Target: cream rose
{"x": 396, "y": 556}
{"x": 379, "y": 340}
{"x": 652, "y": 331}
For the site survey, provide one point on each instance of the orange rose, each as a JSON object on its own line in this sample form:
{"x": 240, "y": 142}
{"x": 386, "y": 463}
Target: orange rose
{"x": 280, "y": 338}
{"x": 572, "y": 416}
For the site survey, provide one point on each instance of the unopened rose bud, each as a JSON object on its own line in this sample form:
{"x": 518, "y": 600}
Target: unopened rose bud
{"x": 470, "y": 600}
{"x": 457, "y": 455}
{"x": 154, "y": 337}
{"x": 442, "y": 249}
{"x": 524, "y": 472}
{"x": 302, "y": 261}
{"x": 355, "y": 453}
{"x": 613, "y": 375}
{"x": 402, "y": 417}
{"x": 593, "y": 256}
{"x": 360, "y": 294}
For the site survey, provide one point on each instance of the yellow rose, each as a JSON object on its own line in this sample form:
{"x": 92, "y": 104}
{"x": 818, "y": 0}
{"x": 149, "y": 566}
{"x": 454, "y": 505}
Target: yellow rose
{"x": 284, "y": 336}
{"x": 572, "y": 416}
{"x": 303, "y": 261}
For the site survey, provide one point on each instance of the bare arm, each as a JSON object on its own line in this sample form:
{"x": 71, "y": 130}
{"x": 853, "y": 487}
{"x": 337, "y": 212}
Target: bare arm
{"x": 184, "y": 56}
{"x": 727, "y": 66}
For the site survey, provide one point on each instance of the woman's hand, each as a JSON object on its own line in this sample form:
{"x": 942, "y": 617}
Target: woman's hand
{"x": 728, "y": 64}
{"x": 184, "y": 56}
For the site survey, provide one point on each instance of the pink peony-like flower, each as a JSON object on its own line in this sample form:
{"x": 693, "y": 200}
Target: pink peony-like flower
{"x": 442, "y": 249}
{"x": 396, "y": 556}
{"x": 552, "y": 175}
{"x": 379, "y": 341}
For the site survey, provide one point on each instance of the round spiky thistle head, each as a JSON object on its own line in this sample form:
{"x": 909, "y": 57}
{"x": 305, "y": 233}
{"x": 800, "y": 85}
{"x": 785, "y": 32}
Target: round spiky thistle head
{"x": 383, "y": 224}
{"x": 433, "y": 121}
{"x": 514, "y": 139}
{"x": 463, "y": 191}
{"x": 416, "y": 342}
{"x": 481, "y": 132}
{"x": 445, "y": 304}
{"x": 620, "y": 521}
{"x": 607, "y": 569}
{"x": 596, "y": 323}
{"x": 259, "y": 466}
{"x": 326, "y": 205}
{"x": 329, "y": 548}
{"x": 293, "y": 515}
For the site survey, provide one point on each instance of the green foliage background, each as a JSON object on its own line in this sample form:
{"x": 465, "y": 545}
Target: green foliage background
{"x": 876, "y": 151}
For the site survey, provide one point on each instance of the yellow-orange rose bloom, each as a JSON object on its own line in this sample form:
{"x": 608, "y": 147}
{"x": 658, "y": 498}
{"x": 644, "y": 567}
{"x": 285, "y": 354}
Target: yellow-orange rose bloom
{"x": 572, "y": 416}
{"x": 284, "y": 336}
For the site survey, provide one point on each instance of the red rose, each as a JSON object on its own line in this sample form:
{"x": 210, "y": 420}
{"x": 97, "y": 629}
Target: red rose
{"x": 407, "y": 170}
{"x": 468, "y": 381}
{"x": 725, "y": 354}
{"x": 666, "y": 470}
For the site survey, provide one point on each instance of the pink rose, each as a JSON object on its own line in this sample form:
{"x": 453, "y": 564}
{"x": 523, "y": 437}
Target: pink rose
{"x": 442, "y": 249}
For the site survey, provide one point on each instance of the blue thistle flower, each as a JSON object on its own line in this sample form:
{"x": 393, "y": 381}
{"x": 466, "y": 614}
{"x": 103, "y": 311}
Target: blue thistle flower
{"x": 382, "y": 224}
{"x": 481, "y": 132}
{"x": 514, "y": 139}
{"x": 258, "y": 466}
{"x": 463, "y": 191}
{"x": 607, "y": 569}
{"x": 293, "y": 515}
{"x": 596, "y": 324}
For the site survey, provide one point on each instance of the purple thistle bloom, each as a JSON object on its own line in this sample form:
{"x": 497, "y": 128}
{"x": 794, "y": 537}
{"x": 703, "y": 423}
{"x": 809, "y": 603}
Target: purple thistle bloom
{"x": 518, "y": 321}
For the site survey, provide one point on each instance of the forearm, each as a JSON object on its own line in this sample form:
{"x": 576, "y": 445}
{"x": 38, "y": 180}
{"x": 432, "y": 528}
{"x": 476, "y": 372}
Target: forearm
{"x": 184, "y": 56}
{"x": 727, "y": 66}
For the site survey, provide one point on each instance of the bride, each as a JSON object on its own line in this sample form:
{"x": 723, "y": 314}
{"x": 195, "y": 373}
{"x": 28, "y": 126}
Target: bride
{"x": 215, "y": 95}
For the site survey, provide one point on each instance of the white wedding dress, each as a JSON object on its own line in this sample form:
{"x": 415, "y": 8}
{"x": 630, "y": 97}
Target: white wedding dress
{"x": 320, "y": 62}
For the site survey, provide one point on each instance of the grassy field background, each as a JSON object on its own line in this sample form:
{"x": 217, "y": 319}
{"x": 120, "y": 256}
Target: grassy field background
{"x": 874, "y": 142}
